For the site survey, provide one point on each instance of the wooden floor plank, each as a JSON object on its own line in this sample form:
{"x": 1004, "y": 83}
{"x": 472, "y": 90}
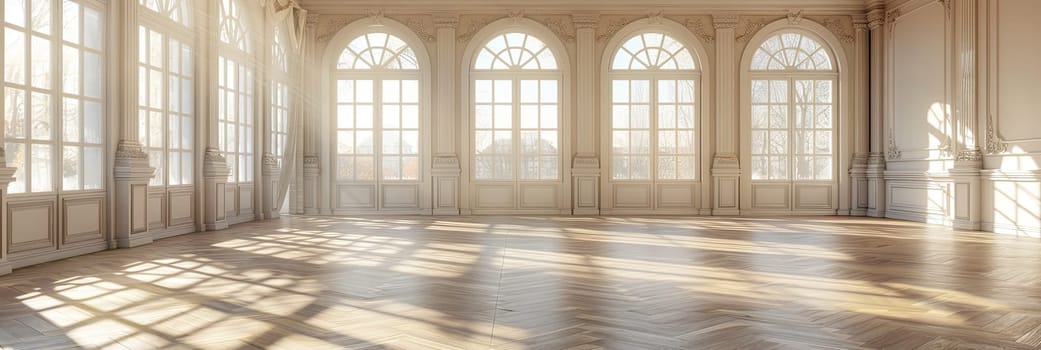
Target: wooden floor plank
{"x": 539, "y": 283}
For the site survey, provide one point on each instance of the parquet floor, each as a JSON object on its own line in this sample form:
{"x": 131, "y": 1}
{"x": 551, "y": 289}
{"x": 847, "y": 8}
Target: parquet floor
{"x": 540, "y": 283}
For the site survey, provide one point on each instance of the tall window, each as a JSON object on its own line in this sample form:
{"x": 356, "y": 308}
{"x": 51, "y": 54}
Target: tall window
{"x": 377, "y": 110}
{"x": 165, "y": 92}
{"x": 279, "y": 122}
{"x": 54, "y": 127}
{"x": 793, "y": 98}
{"x": 235, "y": 93}
{"x": 653, "y": 114}
{"x": 516, "y": 110}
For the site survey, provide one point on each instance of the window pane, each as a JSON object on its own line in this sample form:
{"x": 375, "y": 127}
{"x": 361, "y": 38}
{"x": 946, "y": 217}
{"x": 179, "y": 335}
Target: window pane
{"x": 16, "y": 159}
{"x": 41, "y": 168}
{"x": 14, "y": 112}
{"x": 14, "y": 56}
{"x": 41, "y": 116}
{"x": 70, "y": 169}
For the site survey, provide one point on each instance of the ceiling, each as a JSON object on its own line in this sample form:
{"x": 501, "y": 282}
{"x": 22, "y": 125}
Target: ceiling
{"x": 597, "y": 6}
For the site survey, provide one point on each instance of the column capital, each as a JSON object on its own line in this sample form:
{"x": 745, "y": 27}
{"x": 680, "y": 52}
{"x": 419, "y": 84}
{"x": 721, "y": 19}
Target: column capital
{"x": 876, "y": 18}
{"x": 446, "y": 21}
{"x": 724, "y": 21}
{"x": 860, "y": 23}
{"x": 585, "y": 20}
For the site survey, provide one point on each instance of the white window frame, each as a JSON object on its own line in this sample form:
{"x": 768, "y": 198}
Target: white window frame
{"x": 59, "y": 96}
{"x": 653, "y": 76}
{"x": 516, "y": 74}
{"x": 377, "y": 76}
{"x": 236, "y": 55}
{"x": 163, "y": 153}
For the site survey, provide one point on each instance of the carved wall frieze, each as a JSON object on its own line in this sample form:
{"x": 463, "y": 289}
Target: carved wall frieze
{"x": 130, "y": 152}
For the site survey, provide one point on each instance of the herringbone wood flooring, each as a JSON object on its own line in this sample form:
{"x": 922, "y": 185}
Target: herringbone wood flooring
{"x": 540, "y": 283}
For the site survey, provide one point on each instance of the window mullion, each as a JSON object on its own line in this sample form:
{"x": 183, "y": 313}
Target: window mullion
{"x": 517, "y": 152}
{"x": 377, "y": 131}
{"x": 652, "y": 114}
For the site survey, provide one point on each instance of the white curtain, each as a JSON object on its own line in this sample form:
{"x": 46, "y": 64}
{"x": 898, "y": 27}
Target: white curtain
{"x": 290, "y": 12}
{"x": 295, "y": 17}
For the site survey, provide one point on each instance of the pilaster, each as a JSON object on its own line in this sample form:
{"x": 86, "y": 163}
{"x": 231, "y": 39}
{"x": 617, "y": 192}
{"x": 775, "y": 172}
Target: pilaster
{"x": 311, "y": 172}
{"x": 270, "y": 171}
{"x": 861, "y": 115}
{"x": 726, "y": 167}
{"x": 6, "y": 176}
{"x": 445, "y": 168}
{"x": 585, "y": 171}
{"x": 969, "y": 160}
{"x": 214, "y": 166}
{"x": 876, "y": 167}
{"x": 215, "y": 180}
{"x": 131, "y": 169}
{"x": 313, "y": 198}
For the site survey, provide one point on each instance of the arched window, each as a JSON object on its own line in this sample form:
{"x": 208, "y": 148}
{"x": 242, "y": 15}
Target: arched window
{"x": 516, "y": 106}
{"x": 793, "y": 110}
{"x": 55, "y": 124}
{"x": 654, "y": 110}
{"x": 377, "y": 109}
{"x": 279, "y": 119}
{"x": 166, "y": 103}
{"x": 235, "y": 93}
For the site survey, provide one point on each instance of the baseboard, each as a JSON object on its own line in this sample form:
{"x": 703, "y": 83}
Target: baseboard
{"x": 173, "y": 231}
{"x": 1005, "y": 229}
{"x": 445, "y": 212}
{"x": 586, "y": 212}
{"x": 39, "y": 258}
{"x": 5, "y": 268}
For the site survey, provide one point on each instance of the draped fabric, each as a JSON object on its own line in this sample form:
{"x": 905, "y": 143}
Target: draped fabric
{"x": 293, "y": 15}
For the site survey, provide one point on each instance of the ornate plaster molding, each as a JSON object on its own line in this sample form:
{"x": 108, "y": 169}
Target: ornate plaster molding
{"x": 655, "y": 17}
{"x": 995, "y": 145}
{"x": 472, "y": 25}
{"x": 130, "y": 151}
{"x": 972, "y": 155}
{"x": 585, "y": 20}
{"x": 794, "y": 16}
{"x": 612, "y": 26}
{"x": 445, "y": 21}
{"x": 269, "y": 160}
{"x": 698, "y": 28}
{"x": 875, "y": 19}
{"x": 751, "y": 26}
{"x": 214, "y": 155}
{"x": 418, "y": 25}
{"x": 842, "y": 30}
{"x": 562, "y": 26}
{"x": 894, "y": 151}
